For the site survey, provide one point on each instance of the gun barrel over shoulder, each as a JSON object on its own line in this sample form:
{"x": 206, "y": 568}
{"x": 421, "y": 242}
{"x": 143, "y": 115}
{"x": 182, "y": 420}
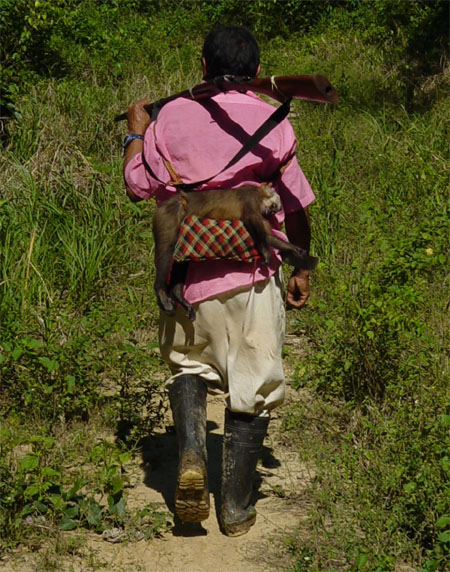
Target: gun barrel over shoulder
{"x": 314, "y": 87}
{"x": 310, "y": 87}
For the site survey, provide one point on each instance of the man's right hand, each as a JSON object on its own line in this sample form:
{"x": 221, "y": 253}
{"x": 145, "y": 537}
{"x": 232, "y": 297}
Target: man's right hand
{"x": 138, "y": 121}
{"x": 297, "y": 289}
{"x": 138, "y": 118}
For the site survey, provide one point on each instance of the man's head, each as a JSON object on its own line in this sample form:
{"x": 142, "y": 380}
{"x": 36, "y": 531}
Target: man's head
{"x": 230, "y": 50}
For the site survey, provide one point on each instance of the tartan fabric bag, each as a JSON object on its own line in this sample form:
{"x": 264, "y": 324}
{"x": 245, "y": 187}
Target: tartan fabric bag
{"x": 210, "y": 239}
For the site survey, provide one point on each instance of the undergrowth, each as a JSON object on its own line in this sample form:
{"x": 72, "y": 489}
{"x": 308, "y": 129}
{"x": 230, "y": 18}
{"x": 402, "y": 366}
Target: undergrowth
{"x": 377, "y": 427}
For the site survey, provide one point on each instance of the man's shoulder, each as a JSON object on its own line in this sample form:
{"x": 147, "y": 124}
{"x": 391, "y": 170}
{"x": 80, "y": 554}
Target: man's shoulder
{"x": 183, "y": 117}
{"x": 231, "y": 98}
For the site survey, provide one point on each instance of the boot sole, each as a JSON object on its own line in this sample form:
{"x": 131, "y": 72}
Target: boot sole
{"x": 238, "y": 528}
{"x": 192, "y": 497}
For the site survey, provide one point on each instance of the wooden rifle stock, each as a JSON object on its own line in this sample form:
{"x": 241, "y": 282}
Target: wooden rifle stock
{"x": 314, "y": 87}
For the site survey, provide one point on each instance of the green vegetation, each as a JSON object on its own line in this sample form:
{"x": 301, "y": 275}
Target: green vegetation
{"x": 77, "y": 313}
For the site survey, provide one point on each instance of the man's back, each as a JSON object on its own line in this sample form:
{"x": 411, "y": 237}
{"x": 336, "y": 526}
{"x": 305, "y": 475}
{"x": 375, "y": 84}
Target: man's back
{"x": 198, "y": 138}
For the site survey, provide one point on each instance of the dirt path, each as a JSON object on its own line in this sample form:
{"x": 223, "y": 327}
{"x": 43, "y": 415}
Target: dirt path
{"x": 202, "y": 547}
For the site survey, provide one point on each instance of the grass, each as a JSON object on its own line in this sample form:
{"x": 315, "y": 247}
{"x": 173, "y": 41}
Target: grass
{"x": 80, "y": 380}
{"x": 376, "y": 428}
{"x": 78, "y": 315}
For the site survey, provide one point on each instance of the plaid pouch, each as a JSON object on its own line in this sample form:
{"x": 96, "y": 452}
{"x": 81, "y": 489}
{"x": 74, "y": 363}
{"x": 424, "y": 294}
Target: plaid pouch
{"x": 210, "y": 239}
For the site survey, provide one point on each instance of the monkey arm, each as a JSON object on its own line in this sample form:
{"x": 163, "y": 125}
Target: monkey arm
{"x": 298, "y": 230}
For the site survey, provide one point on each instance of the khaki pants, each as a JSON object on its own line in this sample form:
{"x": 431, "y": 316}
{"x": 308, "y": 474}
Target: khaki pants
{"x": 234, "y": 344}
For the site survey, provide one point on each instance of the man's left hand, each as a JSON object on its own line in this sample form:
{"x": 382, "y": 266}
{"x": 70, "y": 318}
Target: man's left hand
{"x": 298, "y": 290}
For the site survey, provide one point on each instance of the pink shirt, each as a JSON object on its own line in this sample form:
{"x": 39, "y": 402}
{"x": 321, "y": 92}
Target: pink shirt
{"x": 199, "y": 138}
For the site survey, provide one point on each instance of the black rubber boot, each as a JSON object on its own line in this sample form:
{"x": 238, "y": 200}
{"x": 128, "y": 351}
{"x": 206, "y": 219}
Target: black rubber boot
{"x": 188, "y": 402}
{"x": 242, "y": 446}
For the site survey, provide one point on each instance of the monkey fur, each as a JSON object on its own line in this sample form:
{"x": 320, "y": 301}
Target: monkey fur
{"x": 248, "y": 203}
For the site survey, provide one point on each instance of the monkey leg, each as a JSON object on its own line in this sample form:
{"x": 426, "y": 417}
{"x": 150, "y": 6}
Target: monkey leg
{"x": 165, "y": 302}
{"x": 177, "y": 294}
{"x": 177, "y": 280}
{"x": 293, "y": 255}
{"x": 163, "y": 263}
{"x": 166, "y": 224}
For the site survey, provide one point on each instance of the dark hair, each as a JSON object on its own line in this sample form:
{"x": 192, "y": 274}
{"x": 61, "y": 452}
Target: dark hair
{"x": 230, "y": 50}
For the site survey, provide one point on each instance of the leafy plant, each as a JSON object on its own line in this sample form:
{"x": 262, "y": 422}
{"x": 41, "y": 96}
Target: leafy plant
{"x": 36, "y": 493}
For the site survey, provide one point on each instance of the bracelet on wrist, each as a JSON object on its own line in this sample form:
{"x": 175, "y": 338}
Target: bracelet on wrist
{"x": 131, "y": 137}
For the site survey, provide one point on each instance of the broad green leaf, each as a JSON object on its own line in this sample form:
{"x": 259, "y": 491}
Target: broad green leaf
{"x": 40, "y": 506}
{"x": 444, "y": 536}
{"x": 72, "y": 511}
{"x": 31, "y": 491}
{"x": 118, "y": 508}
{"x": 16, "y": 353}
{"x": 124, "y": 457}
{"x": 49, "y": 472}
{"x": 116, "y": 485}
{"x": 70, "y": 382}
{"x": 57, "y": 501}
{"x": 46, "y": 485}
{"x": 93, "y": 512}
{"x": 29, "y": 462}
{"x": 443, "y": 521}
{"x": 33, "y": 343}
{"x": 71, "y": 493}
{"x": 410, "y": 487}
{"x": 362, "y": 560}
{"x": 27, "y": 509}
{"x": 67, "y": 523}
{"x": 49, "y": 364}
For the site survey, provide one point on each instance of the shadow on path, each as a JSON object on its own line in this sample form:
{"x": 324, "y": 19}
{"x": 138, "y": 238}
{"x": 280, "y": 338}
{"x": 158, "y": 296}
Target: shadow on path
{"x": 160, "y": 463}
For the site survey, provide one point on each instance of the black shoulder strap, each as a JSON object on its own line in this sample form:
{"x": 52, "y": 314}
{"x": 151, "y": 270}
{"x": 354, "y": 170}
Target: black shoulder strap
{"x": 270, "y": 123}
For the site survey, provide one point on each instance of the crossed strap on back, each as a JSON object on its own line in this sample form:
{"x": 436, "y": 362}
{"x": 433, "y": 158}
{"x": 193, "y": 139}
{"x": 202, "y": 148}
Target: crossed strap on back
{"x": 270, "y": 123}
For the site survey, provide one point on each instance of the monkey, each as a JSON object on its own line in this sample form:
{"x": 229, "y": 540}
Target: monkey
{"x": 249, "y": 203}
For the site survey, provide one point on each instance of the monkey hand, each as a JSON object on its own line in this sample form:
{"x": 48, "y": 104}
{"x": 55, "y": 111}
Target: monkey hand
{"x": 138, "y": 118}
{"x": 297, "y": 289}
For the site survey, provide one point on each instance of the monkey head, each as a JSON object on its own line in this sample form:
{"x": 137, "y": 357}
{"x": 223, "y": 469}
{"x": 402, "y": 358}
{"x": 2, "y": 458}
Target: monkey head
{"x": 271, "y": 202}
